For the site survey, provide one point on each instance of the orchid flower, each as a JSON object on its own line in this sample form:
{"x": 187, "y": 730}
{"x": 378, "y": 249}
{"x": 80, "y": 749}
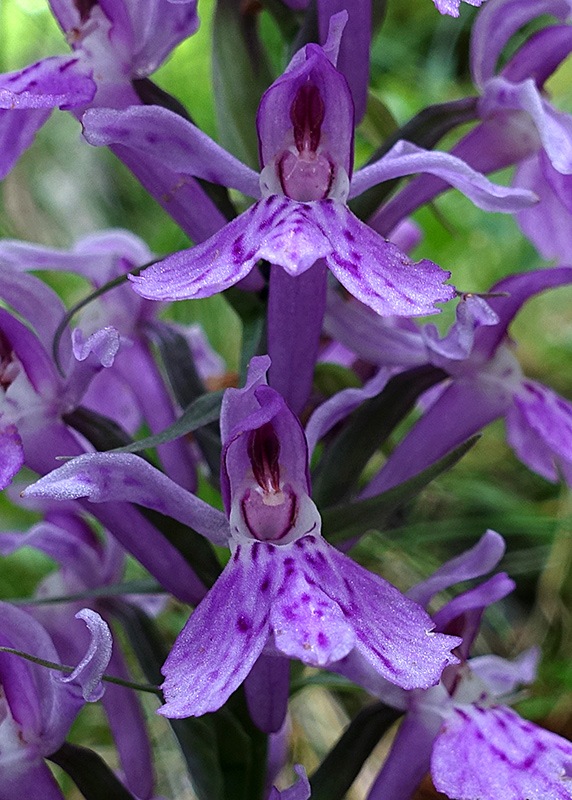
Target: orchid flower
{"x": 301, "y": 222}
{"x": 134, "y": 390}
{"x": 464, "y": 723}
{"x": 87, "y": 563}
{"x": 36, "y": 398}
{"x": 112, "y": 44}
{"x": 485, "y": 380}
{"x": 116, "y": 44}
{"x": 285, "y": 591}
{"x": 37, "y": 706}
{"x": 305, "y": 128}
{"x": 518, "y": 124}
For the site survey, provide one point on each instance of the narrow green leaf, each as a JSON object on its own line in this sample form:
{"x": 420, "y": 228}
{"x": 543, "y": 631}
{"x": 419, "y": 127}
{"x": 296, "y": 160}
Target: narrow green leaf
{"x": 341, "y": 766}
{"x": 203, "y": 410}
{"x": 139, "y": 586}
{"x": 330, "y": 378}
{"x": 90, "y": 773}
{"x": 365, "y": 431}
{"x": 347, "y": 521}
{"x": 103, "y": 432}
{"x": 187, "y": 387}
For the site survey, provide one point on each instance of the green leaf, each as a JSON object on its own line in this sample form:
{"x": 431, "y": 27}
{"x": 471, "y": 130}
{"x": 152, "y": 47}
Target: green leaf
{"x": 330, "y": 378}
{"x": 187, "y": 387}
{"x": 365, "y": 431}
{"x": 347, "y": 521}
{"x": 203, "y": 410}
{"x": 341, "y": 766}
{"x": 103, "y": 432}
{"x": 90, "y": 773}
{"x": 378, "y": 123}
{"x": 240, "y": 76}
{"x": 138, "y": 586}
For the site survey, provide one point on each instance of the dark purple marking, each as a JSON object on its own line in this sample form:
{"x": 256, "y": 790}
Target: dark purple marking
{"x": 67, "y": 65}
{"x": 243, "y": 624}
{"x": 265, "y": 585}
{"x": 349, "y": 235}
{"x": 305, "y": 598}
{"x": 323, "y": 640}
{"x": 236, "y": 555}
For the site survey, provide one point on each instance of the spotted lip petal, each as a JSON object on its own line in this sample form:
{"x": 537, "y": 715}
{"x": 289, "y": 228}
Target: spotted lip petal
{"x": 393, "y": 634}
{"x": 224, "y": 636}
{"x": 522, "y": 759}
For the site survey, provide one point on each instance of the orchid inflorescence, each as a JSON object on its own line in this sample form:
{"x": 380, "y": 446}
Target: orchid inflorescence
{"x": 241, "y": 494}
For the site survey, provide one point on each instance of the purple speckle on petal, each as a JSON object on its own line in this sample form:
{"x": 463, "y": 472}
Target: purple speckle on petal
{"x": 243, "y": 624}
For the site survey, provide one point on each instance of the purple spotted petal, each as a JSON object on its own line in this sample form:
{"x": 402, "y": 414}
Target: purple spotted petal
{"x": 539, "y": 429}
{"x": 393, "y": 634}
{"x": 306, "y": 623}
{"x": 54, "y": 82}
{"x": 499, "y": 21}
{"x": 374, "y": 270}
{"x": 180, "y": 146}
{"x": 11, "y": 454}
{"x": 522, "y": 760}
{"x": 405, "y": 158}
{"x": 90, "y": 669}
{"x": 230, "y": 254}
{"x": 105, "y": 477}
{"x": 473, "y": 563}
{"x": 224, "y": 636}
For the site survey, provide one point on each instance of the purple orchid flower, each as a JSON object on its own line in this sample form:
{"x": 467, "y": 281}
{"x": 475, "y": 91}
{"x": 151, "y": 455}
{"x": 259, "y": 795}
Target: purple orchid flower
{"x": 115, "y": 44}
{"x": 305, "y": 127}
{"x": 485, "y": 380}
{"x": 518, "y": 123}
{"x": 112, "y": 43}
{"x": 37, "y": 706}
{"x": 134, "y": 390}
{"x": 301, "y": 221}
{"x": 87, "y": 563}
{"x": 455, "y": 728}
{"x": 36, "y": 397}
{"x": 285, "y": 591}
